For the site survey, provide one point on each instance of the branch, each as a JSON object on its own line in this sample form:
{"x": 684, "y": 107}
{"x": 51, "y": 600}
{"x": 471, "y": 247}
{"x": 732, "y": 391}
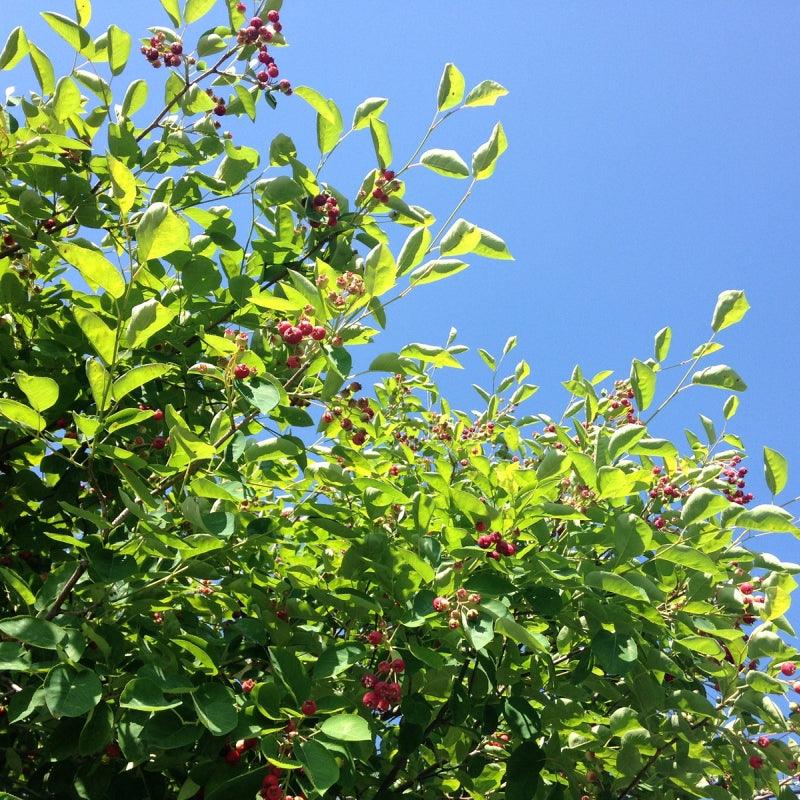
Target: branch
{"x": 65, "y": 591}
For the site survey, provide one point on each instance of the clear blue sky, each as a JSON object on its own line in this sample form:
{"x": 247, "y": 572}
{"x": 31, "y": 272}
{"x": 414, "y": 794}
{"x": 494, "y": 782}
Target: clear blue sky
{"x": 653, "y": 161}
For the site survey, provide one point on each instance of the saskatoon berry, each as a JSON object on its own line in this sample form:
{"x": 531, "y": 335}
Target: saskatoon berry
{"x": 273, "y": 16}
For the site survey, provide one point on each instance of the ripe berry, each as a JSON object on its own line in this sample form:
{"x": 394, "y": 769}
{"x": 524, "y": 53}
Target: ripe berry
{"x": 441, "y": 603}
{"x": 398, "y": 665}
{"x": 262, "y": 77}
{"x": 241, "y": 8}
{"x": 375, "y": 637}
{"x": 305, "y": 327}
{"x": 309, "y": 708}
{"x": 247, "y": 686}
{"x": 256, "y": 22}
{"x": 756, "y": 762}
{"x": 273, "y": 71}
{"x": 176, "y": 48}
{"x": 388, "y": 174}
{"x": 746, "y": 588}
{"x": 318, "y": 333}
{"x": 158, "y": 443}
{"x": 273, "y": 16}
{"x": 763, "y": 741}
{"x": 788, "y": 668}
{"x": 158, "y": 415}
{"x": 113, "y": 750}
{"x": 506, "y": 548}
{"x": 233, "y": 756}
{"x": 659, "y": 522}
{"x": 220, "y": 110}
{"x": 292, "y": 335}
{"x": 327, "y": 417}
{"x": 241, "y": 371}
{"x": 480, "y": 526}
{"x": 293, "y": 362}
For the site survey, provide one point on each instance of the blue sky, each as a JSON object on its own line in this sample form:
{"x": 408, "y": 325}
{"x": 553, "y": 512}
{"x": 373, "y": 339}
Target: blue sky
{"x": 653, "y": 162}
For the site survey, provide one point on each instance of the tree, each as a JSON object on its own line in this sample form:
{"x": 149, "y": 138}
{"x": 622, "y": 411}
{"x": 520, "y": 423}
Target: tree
{"x": 230, "y": 570}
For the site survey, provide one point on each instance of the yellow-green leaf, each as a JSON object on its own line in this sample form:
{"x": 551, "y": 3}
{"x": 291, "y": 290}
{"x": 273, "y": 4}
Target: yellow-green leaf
{"x": 21, "y": 414}
{"x": 451, "y": 87}
{"x": 123, "y": 182}
{"x": 100, "y": 336}
{"x": 138, "y": 376}
{"x": 95, "y": 268}
{"x": 42, "y": 69}
{"x": 41, "y": 392}
{"x": 161, "y": 232}
{"x": 484, "y": 159}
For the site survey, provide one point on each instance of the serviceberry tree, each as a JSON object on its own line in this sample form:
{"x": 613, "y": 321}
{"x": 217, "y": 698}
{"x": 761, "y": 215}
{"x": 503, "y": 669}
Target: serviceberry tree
{"x": 231, "y": 568}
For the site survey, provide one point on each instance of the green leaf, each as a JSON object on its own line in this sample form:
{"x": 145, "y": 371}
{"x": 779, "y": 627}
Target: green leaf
{"x": 263, "y": 395}
{"x": 484, "y": 159}
{"x": 776, "y": 470}
{"x": 380, "y": 271}
{"x": 216, "y": 708}
{"x": 33, "y": 631}
{"x": 21, "y": 414}
{"x": 508, "y": 626}
{"x": 767, "y": 518}
{"x": 346, "y": 728}
{"x": 522, "y": 771}
{"x": 328, "y": 132}
{"x": 492, "y": 246}
{"x": 161, "y": 232}
{"x": 320, "y": 766}
{"x": 624, "y": 438}
{"x": 97, "y": 731}
{"x": 461, "y": 237}
{"x": 42, "y": 393}
{"x": 615, "y": 652}
{"x": 610, "y": 582}
{"x": 413, "y": 250}
{"x": 702, "y": 504}
{"x": 136, "y": 377}
{"x": 66, "y": 100}
{"x": 146, "y": 320}
{"x": 99, "y": 383}
{"x": 686, "y": 556}
{"x": 317, "y": 101}
{"x": 100, "y": 336}
{"x": 245, "y": 97}
{"x": 281, "y": 190}
{"x": 10, "y": 578}
{"x": 73, "y": 34}
{"x": 451, "y": 88}
{"x": 730, "y": 407}
{"x": 436, "y": 270}
{"x": 95, "y": 268}
{"x": 371, "y": 107}
{"x": 173, "y": 10}
{"x": 702, "y": 644}
{"x": 720, "y": 376}
{"x": 731, "y": 307}
{"x": 445, "y": 162}
{"x": 380, "y": 141}
{"x": 119, "y": 49}
{"x": 70, "y": 692}
{"x": 430, "y": 354}
{"x": 124, "y": 184}
{"x": 486, "y": 93}
{"x": 195, "y": 9}
{"x": 15, "y": 49}
{"x": 135, "y": 97}
{"x": 662, "y": 344}
{"x": 43, "y": 69}
{"x": 643, "y": 383}
{"x": 144, "y": 694}
{"x": 83, "y": 11}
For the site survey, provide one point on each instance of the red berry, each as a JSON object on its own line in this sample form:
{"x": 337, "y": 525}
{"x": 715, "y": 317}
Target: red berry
{"x": 248, "y": 685}
{"x": 233, "y": 756}
{"x": 756, "y": 762}
{"x": 176, "y": 48}
{"x": 441, "y": 603}
{"x": 158, "y": 415}
{"x": 318, "y": 333}
{"x": 293, "y": 362}
{"x": 398, "y": 665}
{"x": 273, "y": 16}
{"x": 388, "y": 174}
{"x": 309, "y": 708}
{"x": 746, "y": 588}
{"x": 305, "y": 327}
{"x": 292, "y": 335}
{"x": 113, "y": 750}
{"x": 158, "y": 443}
{"x": 659, "y": 522}
{"x": 375, "y": 637}
{"x": 220, "y": 110}
{"x": 8, "y": 240}
{"x": 763, "y": 741}
{"x": 273, "y": 71}
{"x": 788, "y": 668}
{"x": 262, "y": 77}
{"x": 480, "y": 526}
{"x": 506, "y": 548}
{"x": 370, "y": 699}
{"x": 241, "y": 371}
{"x": 256, "y": 22}
{"x": 241, "y": 8}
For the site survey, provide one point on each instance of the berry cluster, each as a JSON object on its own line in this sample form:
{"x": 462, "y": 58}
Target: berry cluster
{"x": 383, "y": 692}
{"x": 294, "y": 334}
{"x": 257, "y": 30}
{"x": 349, "y": 284}
{"x": 326, "y": 205}
{"x": 751, "y": 602}
{"x": 271, "y": 787}
{"x": 355, "y": 406}
{"x": 478, "y": 431}
{"x": 733, "y": 476}
{"x": 233, "y": 754}
{"x": 205, "y": 588}
{"x": 664, "y": 489}
{"x": 268, "y": 69}
{"x": 384, "y": 185}
{"x": 499, "y": 739}
{"x": 619, "y": 402}
{"x": 464, "y": 602}
{"x": 158, "y": 52}
{"x": 499, "y": 546}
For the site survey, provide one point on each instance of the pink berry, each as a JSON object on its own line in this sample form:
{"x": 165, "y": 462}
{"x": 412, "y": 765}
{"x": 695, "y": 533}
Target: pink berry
{"x": 788, "y": 668}
{"x": 241, "y": 8}
{"x": 746, "y": 588}
{"x": 375, "y": 637}
{"x": 247, "y": 686}
{"x": 763, "y": 741}
{"x": 318, "y": 333}
{"x": 441, "y": 603}
{"x": 256, "y": 22}
{"x": 305, "y": 327}
{"x": 273, "y": 16}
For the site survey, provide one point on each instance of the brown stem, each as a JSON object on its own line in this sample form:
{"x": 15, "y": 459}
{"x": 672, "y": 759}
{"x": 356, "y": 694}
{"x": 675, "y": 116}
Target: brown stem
{"x": 67, "y": 588}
